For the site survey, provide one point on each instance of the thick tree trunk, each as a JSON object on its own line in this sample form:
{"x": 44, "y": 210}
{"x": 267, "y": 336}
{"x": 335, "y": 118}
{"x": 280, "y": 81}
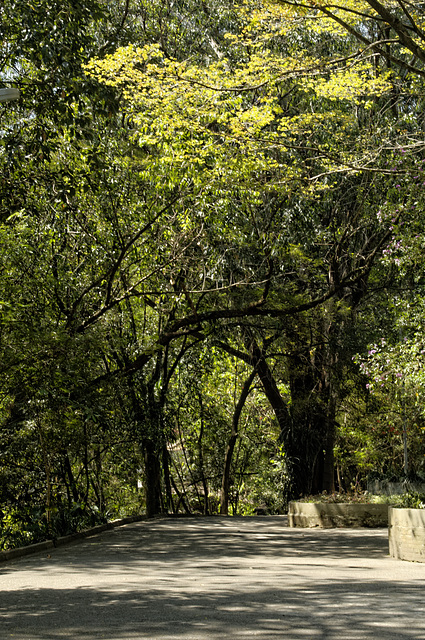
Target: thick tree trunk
{"x": 152, "y": 479}
{"x": 309, "y": 443}
{"x": 296, "y": 459}
{"x": 306, "y": 427}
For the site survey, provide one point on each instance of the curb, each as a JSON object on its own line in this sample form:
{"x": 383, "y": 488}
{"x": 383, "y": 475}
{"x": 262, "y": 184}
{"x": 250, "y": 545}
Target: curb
{"x": 20, "y": 552}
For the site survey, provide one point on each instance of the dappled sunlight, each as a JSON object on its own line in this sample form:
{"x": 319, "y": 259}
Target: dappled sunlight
{"x": 320, "y": 610}
{"x": 214, "y": 577}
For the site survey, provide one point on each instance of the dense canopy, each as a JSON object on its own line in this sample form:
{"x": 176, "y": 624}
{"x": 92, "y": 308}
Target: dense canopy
{"x": 212, "y": 256}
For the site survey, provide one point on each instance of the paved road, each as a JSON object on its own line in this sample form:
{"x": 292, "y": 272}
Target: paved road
{"x": 210, "y": 578}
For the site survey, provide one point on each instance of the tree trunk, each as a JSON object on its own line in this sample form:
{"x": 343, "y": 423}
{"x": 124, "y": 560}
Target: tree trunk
{"x": 152, "y": 482}
{"x": 71, "y": 484}
{"x": 304, "y": 427}
{"x": 328, "y": 452}
{"x": 167, "y": 481}
{"x": 205, "y": 489}
{"x": 224, "y": 500}
{"x": 301, "y": 428}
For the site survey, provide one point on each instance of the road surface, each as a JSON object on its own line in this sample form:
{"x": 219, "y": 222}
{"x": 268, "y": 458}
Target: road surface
{"x": 210, "y": 578}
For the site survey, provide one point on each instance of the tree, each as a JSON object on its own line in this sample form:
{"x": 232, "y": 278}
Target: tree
{"x": 80, "y": 220}
{"x": 168, "y": 187}
{"x": 242, "y": 115}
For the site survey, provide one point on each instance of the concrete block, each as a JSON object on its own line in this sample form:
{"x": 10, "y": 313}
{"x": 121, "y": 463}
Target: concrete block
{"x": 406, "y": 534}
{"x": 332, "y": 515}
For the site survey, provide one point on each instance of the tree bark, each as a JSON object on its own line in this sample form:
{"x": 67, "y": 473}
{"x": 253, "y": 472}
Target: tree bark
{"x": 225, "y": 483}
{"x": 152, "y": 482}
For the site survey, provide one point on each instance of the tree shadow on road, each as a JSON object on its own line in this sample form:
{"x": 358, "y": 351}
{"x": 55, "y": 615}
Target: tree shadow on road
{"x": 200, "y": 578}
{"x": 342, "y": 609}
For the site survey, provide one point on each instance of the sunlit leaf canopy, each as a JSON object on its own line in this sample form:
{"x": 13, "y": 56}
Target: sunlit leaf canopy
{"x": 228, "y": 119}
{"x": 392, "y": 27}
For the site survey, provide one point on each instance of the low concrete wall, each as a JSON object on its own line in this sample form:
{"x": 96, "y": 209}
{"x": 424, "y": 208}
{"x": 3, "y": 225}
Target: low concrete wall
{"x": 406, "y": 529}
{"x": 386, "y": 488}
{"x": 332, "y": 515}
{"x": 19, "y": 552}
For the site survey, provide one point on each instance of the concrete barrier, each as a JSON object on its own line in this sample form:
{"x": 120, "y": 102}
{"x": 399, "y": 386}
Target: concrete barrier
{"x": 19, "y": 552}
{"x": 331, "y": 515}
{"x": 406, "y": 534}
{"x": 387, "y": 488}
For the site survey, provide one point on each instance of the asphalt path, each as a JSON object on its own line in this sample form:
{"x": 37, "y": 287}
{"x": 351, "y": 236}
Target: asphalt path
{"x": 210, "y": 578}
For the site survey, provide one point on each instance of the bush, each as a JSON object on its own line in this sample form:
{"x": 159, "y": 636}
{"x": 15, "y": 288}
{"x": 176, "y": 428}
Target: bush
{"x": 407, "y": 500}
{"x": 22, "y": 526}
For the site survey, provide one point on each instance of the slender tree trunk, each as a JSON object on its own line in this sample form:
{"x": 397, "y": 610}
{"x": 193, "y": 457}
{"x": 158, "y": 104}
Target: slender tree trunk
{"x": 96, "y": 479}
{"x": 180, "y": 498}
{"x": 86, "y": 464}
{"x": 167, "y": 482}
{"x": 328, "y": 451}
{"x": 71, "y": 480}
{"x": 188, "y": 465}
{"x": 297, "y": 464}
{"x": 46, "y": 461}
{"x": 271, "y": 389}
{"x": 201, "y": 460}
{"x": 225, "y": 483}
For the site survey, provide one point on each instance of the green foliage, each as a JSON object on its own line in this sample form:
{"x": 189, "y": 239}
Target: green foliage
{"x": 185, "y": 185}
{"x": 21, "y": 527}
{"x": 29, "y": 524}
{"x": 265, "y": 492}
{"x": 343, "y": 498}
{"x": 410, "y": 500}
